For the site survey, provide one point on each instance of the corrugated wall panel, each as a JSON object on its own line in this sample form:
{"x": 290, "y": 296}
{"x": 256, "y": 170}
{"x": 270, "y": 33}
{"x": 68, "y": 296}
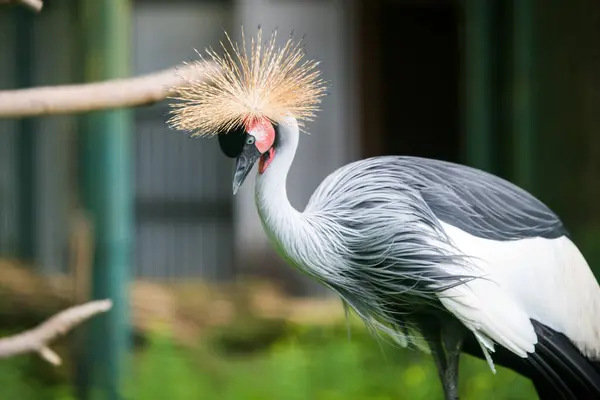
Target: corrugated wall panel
{"x": 53, "y": 66}
{"x": 8, "y": 129}
{"x": 183, "y": 208}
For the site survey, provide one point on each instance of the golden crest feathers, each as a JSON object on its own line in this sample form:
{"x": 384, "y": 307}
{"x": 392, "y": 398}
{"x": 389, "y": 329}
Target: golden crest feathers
{"x": 269, "y": 82}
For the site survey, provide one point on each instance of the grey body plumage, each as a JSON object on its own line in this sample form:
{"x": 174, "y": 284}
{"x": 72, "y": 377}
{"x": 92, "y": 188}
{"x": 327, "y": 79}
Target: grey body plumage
{"x": 393, "y": 248}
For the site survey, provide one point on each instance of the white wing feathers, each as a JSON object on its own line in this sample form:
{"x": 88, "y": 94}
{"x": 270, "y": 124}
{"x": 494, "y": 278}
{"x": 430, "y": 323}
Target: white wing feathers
{"x": 485, "y": 305}
{"x": 546, "y": 280}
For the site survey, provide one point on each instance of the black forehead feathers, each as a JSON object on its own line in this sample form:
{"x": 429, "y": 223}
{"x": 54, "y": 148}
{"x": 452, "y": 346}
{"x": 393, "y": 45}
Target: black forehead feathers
{"x": 232, "y": 142}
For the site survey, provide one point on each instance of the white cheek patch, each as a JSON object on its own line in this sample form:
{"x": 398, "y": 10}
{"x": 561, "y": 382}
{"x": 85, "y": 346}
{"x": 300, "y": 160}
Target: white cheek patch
{"x": 259, "y": 134}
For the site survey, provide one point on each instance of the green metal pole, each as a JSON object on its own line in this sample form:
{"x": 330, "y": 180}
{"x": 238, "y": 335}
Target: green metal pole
{"x": 26, "y": 139}
{"x": 478, "y": 82}
{"x": 108, "y": 194}
{"x": 523, "y": 107}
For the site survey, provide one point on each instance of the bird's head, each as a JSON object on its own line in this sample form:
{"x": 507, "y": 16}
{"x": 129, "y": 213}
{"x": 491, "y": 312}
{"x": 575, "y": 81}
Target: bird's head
{"x": 245, "y": 95}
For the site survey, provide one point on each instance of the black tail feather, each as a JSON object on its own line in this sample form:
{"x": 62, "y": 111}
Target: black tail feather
{"x": 557, "y": 368}
{"x": 547, "y": 381}
{"x": 575, "y": 376}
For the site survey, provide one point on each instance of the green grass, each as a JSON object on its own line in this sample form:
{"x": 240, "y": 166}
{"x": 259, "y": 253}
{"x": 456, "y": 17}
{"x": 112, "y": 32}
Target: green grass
{"x": 311, "y": 363}
{"x": 304, "y": 363}
{"x": 18, "y": 382}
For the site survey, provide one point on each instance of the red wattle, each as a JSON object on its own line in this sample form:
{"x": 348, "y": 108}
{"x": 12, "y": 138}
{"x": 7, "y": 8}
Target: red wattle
{"x": 265, "y": 160}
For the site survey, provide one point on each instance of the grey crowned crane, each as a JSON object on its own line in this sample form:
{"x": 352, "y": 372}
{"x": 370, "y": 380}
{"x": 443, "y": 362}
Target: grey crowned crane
{"x": 434, "y": 254}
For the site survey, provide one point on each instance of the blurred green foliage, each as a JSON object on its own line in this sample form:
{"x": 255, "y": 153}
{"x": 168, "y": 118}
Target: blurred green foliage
{"x": 316, "y": 363}
{"x": 20, "y": 378}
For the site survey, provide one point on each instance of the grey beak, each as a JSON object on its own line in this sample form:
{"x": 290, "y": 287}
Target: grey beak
{"x": 243, "y": 166}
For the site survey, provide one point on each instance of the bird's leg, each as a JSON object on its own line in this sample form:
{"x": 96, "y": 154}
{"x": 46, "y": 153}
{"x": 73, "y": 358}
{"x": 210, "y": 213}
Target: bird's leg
{"x": 446, "y": 349}
{"x": 439, "y": 357}
{"x": 452, "y": 341}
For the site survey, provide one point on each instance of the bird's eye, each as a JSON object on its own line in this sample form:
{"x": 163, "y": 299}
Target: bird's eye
{"x": 250, "y": 140}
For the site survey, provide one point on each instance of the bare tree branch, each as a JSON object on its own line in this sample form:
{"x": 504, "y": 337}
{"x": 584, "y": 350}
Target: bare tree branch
{"x": 117, "y": 93}
{"x": 35, "y": 5}
{"x": 38, "y": 339}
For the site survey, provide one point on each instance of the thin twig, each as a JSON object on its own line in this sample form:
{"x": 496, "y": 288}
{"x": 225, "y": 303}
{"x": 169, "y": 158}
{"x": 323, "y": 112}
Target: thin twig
{"x": 117, "y": 93}
{"x": 39, "y": 338}
{"x": 35, "y": 5}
